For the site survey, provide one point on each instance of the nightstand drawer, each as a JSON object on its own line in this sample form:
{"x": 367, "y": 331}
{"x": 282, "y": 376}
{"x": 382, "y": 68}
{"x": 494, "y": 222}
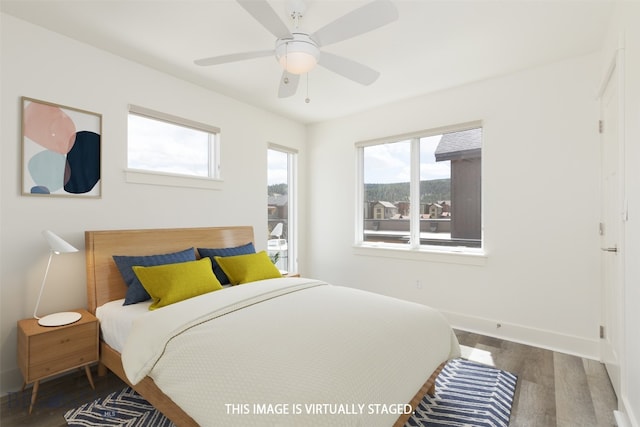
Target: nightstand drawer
{"x": 61, "y": 349}
{"x": 63, "y": 342}
{"x": 62, "y": 363}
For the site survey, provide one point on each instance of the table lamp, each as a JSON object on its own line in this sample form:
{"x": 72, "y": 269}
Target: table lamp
{"x": 57, "y": 246}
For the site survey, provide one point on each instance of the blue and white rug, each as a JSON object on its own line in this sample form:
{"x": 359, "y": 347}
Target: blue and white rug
{"x": 123, "y": 408}
{"x": 467, "y": 394}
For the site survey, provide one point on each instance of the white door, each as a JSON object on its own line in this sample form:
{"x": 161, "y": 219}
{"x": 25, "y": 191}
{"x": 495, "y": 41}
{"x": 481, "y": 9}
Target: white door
{"x": 610, "y": 229}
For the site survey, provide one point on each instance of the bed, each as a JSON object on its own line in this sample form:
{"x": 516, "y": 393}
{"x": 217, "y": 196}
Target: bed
{"x": 278, "y": 351}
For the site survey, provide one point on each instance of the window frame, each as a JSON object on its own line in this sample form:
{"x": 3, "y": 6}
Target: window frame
{"x": 292, "y": 204}
{"x": 414, "y": 250}
{"x": 145, "y": 176}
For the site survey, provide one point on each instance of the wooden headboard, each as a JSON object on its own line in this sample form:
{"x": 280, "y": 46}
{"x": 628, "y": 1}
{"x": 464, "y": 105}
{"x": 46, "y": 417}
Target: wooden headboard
{"x": 104, "y": 282}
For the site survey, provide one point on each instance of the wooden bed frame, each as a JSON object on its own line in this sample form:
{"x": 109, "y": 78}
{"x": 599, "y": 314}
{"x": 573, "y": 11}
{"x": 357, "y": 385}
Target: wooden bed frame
{"x": 104, "y": 284}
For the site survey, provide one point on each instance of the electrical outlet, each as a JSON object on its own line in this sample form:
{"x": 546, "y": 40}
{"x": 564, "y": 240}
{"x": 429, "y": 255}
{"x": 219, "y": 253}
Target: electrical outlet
{"x": 418, "y": 284}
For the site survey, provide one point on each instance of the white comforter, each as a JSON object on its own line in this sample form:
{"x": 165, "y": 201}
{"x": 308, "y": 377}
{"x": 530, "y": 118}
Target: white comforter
{"x": 289, "y": 352}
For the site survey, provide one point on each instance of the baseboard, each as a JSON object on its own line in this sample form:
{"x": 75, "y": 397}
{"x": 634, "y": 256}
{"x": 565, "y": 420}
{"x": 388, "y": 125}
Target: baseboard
{"x": 621, "y": 419}
{"x": 549, "y": 340}
{"x": 634, "y": 422}
{"x": 625, "y": 417}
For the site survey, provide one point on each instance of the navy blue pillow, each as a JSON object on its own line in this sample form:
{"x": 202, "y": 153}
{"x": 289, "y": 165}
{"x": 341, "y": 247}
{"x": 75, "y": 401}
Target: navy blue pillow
{"x": 135, "y": 291}
{"x": 212, "y": 253}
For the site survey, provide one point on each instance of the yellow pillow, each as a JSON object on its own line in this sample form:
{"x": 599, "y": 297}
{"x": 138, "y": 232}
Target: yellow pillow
{"x": 170, "y": 283}
{"x": 248, "y": 268}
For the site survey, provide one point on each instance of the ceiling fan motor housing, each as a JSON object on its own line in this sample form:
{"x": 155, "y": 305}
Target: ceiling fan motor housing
{"x": 297, "y": 55}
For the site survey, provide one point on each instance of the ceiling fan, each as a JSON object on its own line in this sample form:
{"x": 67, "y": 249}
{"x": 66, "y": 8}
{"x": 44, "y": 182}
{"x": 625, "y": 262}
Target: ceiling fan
{"x": 298, "y": 52}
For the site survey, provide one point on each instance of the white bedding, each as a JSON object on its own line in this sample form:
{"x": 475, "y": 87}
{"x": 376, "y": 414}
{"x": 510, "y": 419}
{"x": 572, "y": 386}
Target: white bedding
{"x": 289, "y": 351}
{"x": 116, "y": 320}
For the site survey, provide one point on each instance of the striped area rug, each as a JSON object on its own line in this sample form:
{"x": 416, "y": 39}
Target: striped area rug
{"x": 467, "y": 394}
{"x": 123, "y": 408}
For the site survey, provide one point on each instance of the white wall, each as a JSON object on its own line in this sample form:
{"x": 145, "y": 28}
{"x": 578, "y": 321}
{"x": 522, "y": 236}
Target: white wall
{"x": 625, "y": 32}
{"x": 44, "y": 65}
{"x": 540, "y": 207}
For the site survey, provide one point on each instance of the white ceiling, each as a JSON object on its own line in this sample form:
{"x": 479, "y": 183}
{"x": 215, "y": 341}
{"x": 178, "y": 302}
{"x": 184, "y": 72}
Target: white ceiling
{"x": 432, "y": 46}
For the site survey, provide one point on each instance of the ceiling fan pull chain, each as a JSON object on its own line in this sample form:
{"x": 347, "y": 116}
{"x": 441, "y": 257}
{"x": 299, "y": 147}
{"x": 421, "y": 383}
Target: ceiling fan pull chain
{"x": 286, "y": 51}
{"x": 307, "y": 99}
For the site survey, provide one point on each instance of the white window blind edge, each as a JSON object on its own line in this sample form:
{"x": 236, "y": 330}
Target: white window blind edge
{"x": 152, "y": 114}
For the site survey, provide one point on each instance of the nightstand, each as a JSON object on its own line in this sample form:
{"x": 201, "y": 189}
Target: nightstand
{"x": 47, "y": 351}
{"x": 291, "y": 275}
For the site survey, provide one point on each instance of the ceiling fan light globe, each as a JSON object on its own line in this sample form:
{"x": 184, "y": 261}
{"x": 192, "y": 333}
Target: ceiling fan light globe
{"x": 298, "y": 62}
{"x": 298, "y": 55}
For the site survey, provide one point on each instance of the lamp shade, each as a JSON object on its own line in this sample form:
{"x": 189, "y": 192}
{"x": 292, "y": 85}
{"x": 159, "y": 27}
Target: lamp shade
{"x": 57, "y": 244}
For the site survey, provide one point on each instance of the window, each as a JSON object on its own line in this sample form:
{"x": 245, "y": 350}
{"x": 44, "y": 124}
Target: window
{"x": 281, "y": 207}
{"x": 165, "y": 144}
{"x": 422, "y": 191}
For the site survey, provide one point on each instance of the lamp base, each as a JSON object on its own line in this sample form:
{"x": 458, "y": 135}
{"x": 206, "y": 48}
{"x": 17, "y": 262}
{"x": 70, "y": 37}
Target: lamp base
{"x": 60, "y": 319}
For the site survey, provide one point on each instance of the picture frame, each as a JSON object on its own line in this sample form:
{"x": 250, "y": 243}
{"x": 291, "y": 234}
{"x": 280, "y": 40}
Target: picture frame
{"x": 61, "y": 150}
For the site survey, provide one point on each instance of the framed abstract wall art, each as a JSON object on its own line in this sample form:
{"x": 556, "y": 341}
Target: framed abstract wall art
{"x": 61, "y": 149}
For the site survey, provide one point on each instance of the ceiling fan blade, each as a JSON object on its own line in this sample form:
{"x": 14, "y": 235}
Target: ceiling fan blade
{"x": 359, "y": 21}
{"x": 290, "y": 87}
{"x": 233, "y": 57}
{"x": 265, "y": 15}
{"x": 347, "y": 68}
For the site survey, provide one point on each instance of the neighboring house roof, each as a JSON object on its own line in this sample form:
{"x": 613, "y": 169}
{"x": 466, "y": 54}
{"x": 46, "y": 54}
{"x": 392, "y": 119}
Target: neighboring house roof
{"x": 387, "y": 204}
{"x": 460, "y": 145}
{"x": 278, "y": 200}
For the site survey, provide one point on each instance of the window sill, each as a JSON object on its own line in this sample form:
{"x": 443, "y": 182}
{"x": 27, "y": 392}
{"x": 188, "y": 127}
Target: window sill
{"x": 137, "y": 176}
{"x": 450, "y": 256}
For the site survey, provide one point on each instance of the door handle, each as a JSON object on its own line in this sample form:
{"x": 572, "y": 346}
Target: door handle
{"x": 613, "y": 249}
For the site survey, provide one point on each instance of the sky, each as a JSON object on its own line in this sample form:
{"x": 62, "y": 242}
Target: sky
{"x": 164, "y": 147}
{"x": 277, "y": 161}
{"x": 390, "y": 163}
{"x": 385, "y": 163}
{"x": 156, "y": 145}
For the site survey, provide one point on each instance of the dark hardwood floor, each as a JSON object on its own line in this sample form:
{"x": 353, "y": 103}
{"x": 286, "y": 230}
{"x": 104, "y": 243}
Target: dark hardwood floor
{"x": 553, "y": 390}
{"x": 55, "y": 398}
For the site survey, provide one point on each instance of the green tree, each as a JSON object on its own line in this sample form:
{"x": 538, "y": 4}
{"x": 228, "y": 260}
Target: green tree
{"x": 277, "y": 189}
{"x": 430, "y": 191}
